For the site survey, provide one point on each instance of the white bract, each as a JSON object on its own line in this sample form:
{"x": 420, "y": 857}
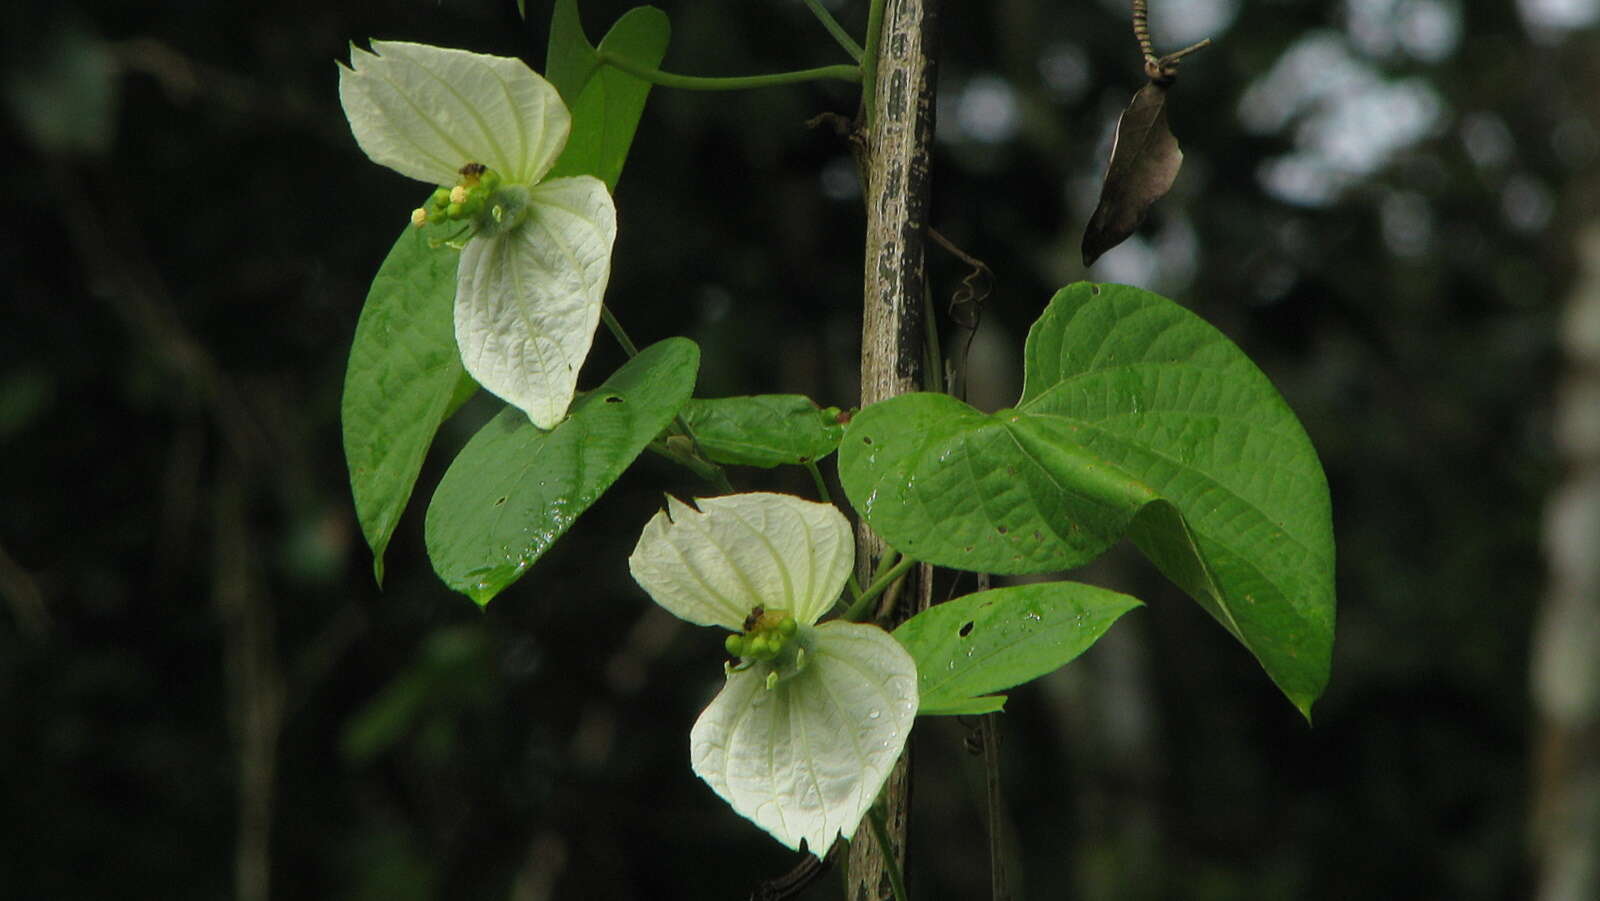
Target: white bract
{"x": 807, "y": 727}
{"x": 532, "y": 276}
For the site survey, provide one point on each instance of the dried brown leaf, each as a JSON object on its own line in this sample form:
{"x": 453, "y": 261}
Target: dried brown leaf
{"x": 1144, "y": 163}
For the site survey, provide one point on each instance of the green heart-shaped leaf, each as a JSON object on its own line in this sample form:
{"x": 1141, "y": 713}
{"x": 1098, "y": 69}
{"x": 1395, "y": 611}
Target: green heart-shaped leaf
{"x": 569, "y": 57}
{"x": 764, "y": 430}
{"x": 514, "y": 489}
{"x": 1136, "y": 418}
{"x": 996, "y": 639}
{"x": 403, "y": 379}
{"x": 606, "y": 111}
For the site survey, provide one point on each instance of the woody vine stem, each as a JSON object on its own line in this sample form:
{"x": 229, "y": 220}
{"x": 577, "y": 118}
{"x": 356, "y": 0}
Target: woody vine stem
{"x": 898, "y": 95}
{"x": 1157, "y": 66}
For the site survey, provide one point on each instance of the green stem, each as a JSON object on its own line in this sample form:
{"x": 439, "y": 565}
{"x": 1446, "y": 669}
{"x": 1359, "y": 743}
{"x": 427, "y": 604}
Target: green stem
{"x": 869, "y": 61}
{"x": 617, "y": 332}
{"x": 696, "y": 462}
{"x": 851, "y": 74}
{"x": 880, "y": 831}
{"x": 822, "y": 486}
{"x": 885, "y": 578}
{"x": 705, "y": 469}
{"x": 835, "y": 29}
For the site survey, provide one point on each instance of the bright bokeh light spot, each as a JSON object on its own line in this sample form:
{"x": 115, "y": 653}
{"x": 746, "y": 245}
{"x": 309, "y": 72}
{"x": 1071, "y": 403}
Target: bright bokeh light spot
{"x": 1177, "y": 255}
{"x": 1428, "y": 30}
{"x": 839, "y": 180}
{"x": 1165, "y": 260}
{"x": 1549, "y": 19}
{"x": 1360, "y": 131}
{"x": 1301, "y": 180}
{"x": 1178, "y": 23}
{"x": 1407, "y": 223}
{"x": 1133, "y": 262}
{"x": 986, "y": 110}
{"x": 1526, "y": 203}
{"x": 1350, "y": 120}
{"x": 1064, "y": 71}
{"x": 1487, "y": 140}
{"x": 1315, "y": 67}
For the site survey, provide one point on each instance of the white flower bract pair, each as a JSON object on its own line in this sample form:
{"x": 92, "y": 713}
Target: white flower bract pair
{"x": 528, "y": 294}
{"x": 802, "y": 745}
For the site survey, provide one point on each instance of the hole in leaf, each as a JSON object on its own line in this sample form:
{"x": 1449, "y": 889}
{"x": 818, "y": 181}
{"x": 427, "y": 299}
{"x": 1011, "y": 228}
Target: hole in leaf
{"x": 499, "y": 501}
{"x": 866, "y": 439}
{"x": 804, "y": 459}
{"x": 613, "y": 399}
{"x": 1001, "y": 529}
{"x": 966, "y": 629}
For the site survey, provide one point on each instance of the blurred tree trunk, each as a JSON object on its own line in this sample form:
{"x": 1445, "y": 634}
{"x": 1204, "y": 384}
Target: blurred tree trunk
{"x": 1566, "y": 650}
{"x": 255, "y": 683}
{"x": 1102, "y": 712}
{"x": 898, "y": 138}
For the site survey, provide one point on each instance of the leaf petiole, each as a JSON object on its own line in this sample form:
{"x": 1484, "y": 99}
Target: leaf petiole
{"x": 822, "y": 486}
{"x": 615, "y": 327}
{"x": 835, "y": 29}
{"x": 885, "y": 578}
{"x": 653, "y": 75}
{"x": 869, "y": 61}
{"x": 693, "y": 460}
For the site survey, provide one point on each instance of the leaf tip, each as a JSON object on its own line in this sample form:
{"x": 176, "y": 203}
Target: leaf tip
{"x": 1304, "y": 706}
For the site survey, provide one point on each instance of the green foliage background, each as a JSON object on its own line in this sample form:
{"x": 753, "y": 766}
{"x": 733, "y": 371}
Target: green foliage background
{"x": 191, "y": 232}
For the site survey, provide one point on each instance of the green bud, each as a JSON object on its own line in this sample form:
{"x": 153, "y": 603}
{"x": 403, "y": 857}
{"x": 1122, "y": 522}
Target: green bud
{"x": 440, "y": 198}
{"x": 787, "y": 626}
{"x": 759, "y": 647}
{"x": 734, "y": 645}
{"x": 455, "y": 211}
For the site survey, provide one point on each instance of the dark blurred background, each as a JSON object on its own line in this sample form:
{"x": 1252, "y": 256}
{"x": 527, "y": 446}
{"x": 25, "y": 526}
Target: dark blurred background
{"x": 1389, "y": 204}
